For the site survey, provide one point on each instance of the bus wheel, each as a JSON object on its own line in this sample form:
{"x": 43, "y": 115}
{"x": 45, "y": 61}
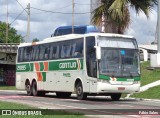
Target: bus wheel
{"x": 63, "y": 94}
{"x": 28, "y": 89}
{"x": 34, "y": 89}
{"x": 79, "y": 91}
{"x": 116, "y": 96}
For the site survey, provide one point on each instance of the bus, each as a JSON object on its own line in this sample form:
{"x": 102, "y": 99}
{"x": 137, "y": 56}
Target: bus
{"x": 64, "y": 30}
{"x": 83, "y": 64}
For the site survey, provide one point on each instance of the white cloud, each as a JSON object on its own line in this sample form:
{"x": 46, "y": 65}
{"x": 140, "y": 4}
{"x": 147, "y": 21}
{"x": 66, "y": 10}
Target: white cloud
{"x": 143, "y": 29}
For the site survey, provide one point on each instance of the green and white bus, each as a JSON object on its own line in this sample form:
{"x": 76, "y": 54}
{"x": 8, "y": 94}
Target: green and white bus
{"x": 85, "y": 64}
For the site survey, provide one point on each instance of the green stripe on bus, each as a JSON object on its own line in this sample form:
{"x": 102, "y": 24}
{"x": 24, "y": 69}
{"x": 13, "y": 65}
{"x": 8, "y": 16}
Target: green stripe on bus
{"x": 76, "y": 64}
{"x": 44, "y": 76}
{"x": 41, "y": 66}
{"x": 27, "y": 67}
{"x": 104, "y": 77}
{"x": 66, "y": 65}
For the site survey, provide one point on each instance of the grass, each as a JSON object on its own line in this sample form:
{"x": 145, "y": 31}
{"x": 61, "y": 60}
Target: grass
{"x": 8, "y": 105}
{"x": 8, "y": 88}
{"x": 152, "y": 93}
{"x": 149, "y": 76}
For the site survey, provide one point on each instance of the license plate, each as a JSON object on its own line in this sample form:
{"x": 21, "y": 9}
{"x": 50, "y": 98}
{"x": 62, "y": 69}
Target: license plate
{"x": 121, "y": 88}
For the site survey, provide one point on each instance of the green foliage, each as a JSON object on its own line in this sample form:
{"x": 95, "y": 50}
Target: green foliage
{"x": 13, "y": 37}
{"x": 116, "y": 12}
{"x": 35, "y": 40}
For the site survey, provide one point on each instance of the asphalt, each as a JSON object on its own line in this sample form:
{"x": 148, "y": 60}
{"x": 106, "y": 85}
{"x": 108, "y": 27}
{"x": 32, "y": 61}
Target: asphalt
{"x": 93, "y": 106}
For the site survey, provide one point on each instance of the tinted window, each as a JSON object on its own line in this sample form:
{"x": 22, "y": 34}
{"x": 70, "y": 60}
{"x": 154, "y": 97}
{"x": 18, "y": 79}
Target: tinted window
{"x": 44, "y": 52}
{"x": 28, "y": 54}
{"x": 78, "y": 30}
{"x": 58, "y": 50}
{"x": 77, "y": 48}
{"x": 20, "y": 54}
{"x": 91, "y": 57}
{"x": 54, "y": 51}
{"x": 65, "y": 49}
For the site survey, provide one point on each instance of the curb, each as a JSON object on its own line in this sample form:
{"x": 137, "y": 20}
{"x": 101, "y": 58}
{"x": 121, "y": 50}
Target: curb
{"x": 156, "y": 100}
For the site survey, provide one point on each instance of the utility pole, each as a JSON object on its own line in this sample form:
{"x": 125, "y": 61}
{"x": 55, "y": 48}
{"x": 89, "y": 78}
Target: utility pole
{"x": 73, "y": 16}
{"x": 158, "y": 40}
{"x": 28, "y": 23}
{"x": 7, "y": 22}
{"x": 155, "y": 58}
{"x": 103, "y": 23}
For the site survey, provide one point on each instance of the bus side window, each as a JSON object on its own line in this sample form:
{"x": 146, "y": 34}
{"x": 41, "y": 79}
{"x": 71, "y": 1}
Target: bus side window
{"x": 54, "y": 51}
{"x": 20, "y": 55}
{"x": 37, "y": 53}
{"x": 41, "y": 52}
{"x": 65, "y": 50}
{"x": 73, "y": 47}
{"x": 46, "y": 52}
{"x": 34, "y": 53}
{"x": 27, "y": 54}
{"x": 57, "y": 52}
{"x": 77, "y": 48}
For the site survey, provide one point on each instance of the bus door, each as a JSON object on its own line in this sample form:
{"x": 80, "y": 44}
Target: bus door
{"x": 91, "y": 63}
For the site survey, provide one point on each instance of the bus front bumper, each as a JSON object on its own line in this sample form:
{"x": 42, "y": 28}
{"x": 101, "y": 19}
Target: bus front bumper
{"x": 119, "y": 88}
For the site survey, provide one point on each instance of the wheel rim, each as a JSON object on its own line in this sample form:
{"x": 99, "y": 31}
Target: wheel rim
{"x": 27, "y": 87}
{"x": 79, "y": 90}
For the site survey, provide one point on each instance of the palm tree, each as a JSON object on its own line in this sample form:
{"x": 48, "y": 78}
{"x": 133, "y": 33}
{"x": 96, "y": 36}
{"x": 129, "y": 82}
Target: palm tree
{"x": 117, "y": 15}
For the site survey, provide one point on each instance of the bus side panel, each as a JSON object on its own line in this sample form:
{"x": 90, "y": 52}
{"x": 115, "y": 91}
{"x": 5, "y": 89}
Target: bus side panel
{"x": 21, "y": 78}
{"x": 18, "y": 81}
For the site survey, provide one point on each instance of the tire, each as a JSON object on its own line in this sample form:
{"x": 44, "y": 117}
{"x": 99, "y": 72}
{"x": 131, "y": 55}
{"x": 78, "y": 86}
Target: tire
{"x": 34, "y": 89}
{"x": 79, "y": 92}
{"x": 63, "y": 94}
{"x": 35, "y": 92}
{"x": 116, "y": 96}
{"x": 29, "y": 89}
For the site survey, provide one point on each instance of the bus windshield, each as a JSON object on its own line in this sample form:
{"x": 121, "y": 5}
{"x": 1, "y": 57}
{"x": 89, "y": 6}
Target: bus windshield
{"x": 119, "y": 57}
{"x": 119, "y": 62}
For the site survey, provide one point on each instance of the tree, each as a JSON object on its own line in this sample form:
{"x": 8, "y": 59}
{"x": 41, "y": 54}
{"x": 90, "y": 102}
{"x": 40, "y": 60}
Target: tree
{"x": 13, "y": 37}
{"x": 35, "y": 40}
{"x": 117, "y": 15}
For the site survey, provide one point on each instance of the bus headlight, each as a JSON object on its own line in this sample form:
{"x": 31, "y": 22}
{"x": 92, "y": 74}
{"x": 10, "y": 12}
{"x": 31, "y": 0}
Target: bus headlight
{"x": 136, "y": 82}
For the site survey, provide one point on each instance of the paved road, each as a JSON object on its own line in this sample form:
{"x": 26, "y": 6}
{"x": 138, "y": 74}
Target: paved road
{"x": 91, "y": 106}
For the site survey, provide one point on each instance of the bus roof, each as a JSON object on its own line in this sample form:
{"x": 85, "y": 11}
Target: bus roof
{"x": 82, "y": 29}
{"x": 75, "y": 36}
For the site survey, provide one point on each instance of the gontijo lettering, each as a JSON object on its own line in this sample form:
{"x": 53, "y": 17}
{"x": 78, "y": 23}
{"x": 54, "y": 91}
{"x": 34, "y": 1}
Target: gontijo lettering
{"x": 68, "y": 65}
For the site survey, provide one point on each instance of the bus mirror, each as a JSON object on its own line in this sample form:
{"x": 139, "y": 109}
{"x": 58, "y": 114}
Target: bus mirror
{"x": 98, "y": 52}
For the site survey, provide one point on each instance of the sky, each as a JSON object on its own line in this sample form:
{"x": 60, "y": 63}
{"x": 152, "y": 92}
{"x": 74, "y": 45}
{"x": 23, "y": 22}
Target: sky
{"x": 43, "y": 24}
